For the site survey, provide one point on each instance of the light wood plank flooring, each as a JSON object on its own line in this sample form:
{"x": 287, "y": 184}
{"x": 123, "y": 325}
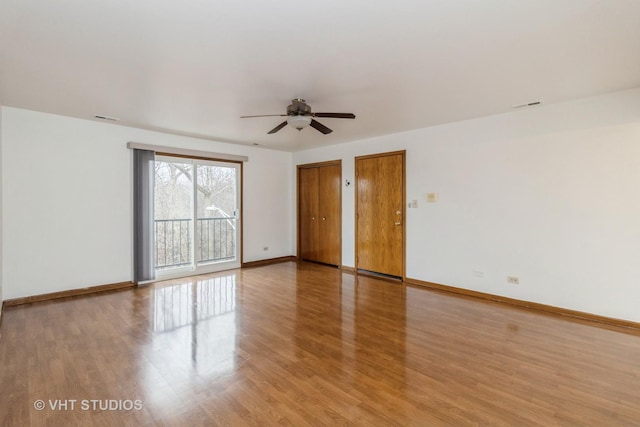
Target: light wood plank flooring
{"x": 302, "y": 344}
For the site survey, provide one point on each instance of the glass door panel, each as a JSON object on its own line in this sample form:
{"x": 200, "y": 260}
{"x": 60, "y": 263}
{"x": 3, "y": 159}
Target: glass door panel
{"x": 216, "y": 228}
{"x": 173, "y": 212}
{"x": 197, "y": 225}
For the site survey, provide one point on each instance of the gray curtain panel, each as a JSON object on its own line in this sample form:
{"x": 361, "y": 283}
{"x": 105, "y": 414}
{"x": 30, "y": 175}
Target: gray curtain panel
{"x": 143, "y": 244}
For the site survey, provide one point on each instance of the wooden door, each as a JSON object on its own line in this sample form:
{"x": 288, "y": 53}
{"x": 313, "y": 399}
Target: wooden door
{"x": 380, "y": 211}
{"x": 329, "y": 218}
{"x": 320, "y": 212}
{"x": 308, "y": 197}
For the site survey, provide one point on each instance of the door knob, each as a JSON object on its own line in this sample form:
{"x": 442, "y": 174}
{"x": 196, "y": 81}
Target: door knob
{"x": 324, "y": 219}
{"x": 313, "y": 217}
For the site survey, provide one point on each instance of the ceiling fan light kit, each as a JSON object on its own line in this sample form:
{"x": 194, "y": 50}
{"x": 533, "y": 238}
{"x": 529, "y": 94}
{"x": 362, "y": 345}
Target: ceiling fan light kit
{"x": 299, "y": 122}
{"x": 299, "y": 116}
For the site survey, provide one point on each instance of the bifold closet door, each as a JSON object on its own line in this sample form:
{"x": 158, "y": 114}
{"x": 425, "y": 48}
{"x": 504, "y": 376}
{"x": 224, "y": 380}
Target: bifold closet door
{"x": 329, "y": 214}
{"x": 319, "y": 213}
{"x": 308, "y": 216}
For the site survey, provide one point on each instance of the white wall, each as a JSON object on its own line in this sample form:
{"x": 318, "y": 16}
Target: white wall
{"x": 268, "y": 205}
{"x": 549, "y": 194}
{"x": 67, "y": 193}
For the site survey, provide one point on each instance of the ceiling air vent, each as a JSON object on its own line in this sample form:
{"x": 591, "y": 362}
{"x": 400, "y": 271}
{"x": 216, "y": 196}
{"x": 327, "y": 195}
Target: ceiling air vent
{"x": 101, "y": 117}
{"x": 528, "y": 104}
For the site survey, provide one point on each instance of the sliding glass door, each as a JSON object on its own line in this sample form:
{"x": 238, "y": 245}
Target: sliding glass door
{"x": 197, "y": 221}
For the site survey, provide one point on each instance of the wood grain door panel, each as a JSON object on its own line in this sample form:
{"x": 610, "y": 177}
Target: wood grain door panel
{"x": 329, "y": 210}
{"x": 380, "y": 214}
{"x": 319, "y": 212}
{"x": 309, "y": 199}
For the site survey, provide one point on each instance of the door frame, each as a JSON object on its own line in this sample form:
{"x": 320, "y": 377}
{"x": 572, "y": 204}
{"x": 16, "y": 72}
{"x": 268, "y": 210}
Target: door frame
{"x": 403, "y": 153}
{"x": 309, "y": 166}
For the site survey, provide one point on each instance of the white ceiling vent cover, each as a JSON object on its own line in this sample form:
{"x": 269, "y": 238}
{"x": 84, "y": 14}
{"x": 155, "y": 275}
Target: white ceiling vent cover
{"x": 528, "y": 104}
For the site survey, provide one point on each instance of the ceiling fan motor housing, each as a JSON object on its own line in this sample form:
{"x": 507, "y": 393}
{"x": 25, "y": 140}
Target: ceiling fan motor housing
{"x": 298, "y": 107}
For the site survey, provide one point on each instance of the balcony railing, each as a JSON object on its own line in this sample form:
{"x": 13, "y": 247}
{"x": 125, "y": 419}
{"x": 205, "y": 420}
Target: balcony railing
{"x": 214, "y": 241}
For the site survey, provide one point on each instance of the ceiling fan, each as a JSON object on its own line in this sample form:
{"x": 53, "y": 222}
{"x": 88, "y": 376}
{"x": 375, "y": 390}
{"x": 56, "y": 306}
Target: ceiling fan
{"x": 299, "y": 116}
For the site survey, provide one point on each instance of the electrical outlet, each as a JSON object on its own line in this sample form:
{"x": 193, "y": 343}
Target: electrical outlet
{"x": 513, "y": 280}
{"x": 265, "y": 248}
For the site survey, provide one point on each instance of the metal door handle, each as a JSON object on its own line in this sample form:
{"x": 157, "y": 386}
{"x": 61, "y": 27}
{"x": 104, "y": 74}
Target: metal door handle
{"x": 398, "y": 223}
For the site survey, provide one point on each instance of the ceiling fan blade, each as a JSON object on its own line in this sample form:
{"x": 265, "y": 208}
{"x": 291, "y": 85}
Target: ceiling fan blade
{"x": 336, "y": 115}
{"x": 277, "y": 128}
{"x": 320, "y": 127}
{"x": 264, "y": 115}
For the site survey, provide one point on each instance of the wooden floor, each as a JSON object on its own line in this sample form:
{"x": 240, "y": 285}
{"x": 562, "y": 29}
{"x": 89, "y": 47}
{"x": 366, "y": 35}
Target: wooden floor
{"x": 308, "y": 345}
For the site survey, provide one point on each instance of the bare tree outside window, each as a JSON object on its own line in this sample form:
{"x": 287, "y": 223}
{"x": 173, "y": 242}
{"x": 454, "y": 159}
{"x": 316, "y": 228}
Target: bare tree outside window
{"x": 213, "y": 238}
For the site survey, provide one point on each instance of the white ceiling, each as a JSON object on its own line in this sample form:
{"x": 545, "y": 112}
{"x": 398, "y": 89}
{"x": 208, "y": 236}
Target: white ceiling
{"x": 194, "y": 67}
